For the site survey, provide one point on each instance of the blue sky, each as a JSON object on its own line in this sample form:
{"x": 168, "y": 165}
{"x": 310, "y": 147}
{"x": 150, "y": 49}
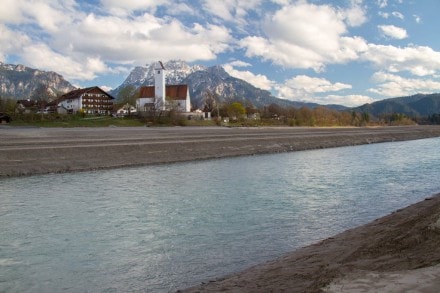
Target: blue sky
{"x": 347, "y": 52}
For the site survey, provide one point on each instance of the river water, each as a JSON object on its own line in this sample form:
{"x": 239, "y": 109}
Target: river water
{"x": 161, "y": 228}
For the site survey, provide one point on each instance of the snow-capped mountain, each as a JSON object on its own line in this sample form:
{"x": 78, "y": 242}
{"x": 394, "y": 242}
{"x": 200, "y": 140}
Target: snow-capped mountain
{"x": 176, "y": 72}
{"x": 202, "y": 79}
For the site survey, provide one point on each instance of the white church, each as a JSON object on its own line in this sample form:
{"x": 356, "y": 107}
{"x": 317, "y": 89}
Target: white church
{"x": 162, "y": 96}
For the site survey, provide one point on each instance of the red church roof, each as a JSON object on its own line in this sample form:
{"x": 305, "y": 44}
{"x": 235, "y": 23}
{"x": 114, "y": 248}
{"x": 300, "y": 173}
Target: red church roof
{"x": 175, "y": 92}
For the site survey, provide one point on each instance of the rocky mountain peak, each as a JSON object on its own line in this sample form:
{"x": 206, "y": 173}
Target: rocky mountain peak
{"x": 20, "y": 82}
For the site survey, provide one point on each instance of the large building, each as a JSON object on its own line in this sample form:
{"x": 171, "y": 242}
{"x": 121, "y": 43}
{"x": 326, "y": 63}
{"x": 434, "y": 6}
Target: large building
{"x": 162, "y": 96}
{"x": 92, "y": 100}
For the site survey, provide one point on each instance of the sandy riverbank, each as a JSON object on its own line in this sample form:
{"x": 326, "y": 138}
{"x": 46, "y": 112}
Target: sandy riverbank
{"x": 396, "y": 253}
{"x": 29, "y": 151}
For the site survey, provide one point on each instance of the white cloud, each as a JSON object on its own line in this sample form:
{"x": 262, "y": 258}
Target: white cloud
{"x": 307, "y": 42}
{"x": 384, "y": 14}
{"x": 393, "y": 31}
{"x": 136, "y": 40}
{"x": 398, "y": 15}
{"x": 122, "y": 8}
{"x": 316, "y": 90}
{"x": 418, "y": 60}
{"x": 231, "y": 10}
{"x": 348, "y": 100}
{"x": 105, "y": 88}
{"x": 42, "y": 57}
{"x": 239, "y": 63}
{"x": 355, "y": 16}
{"x": 417, "y": 18}
{"x": 85, "y": 44}
{"x": 12, "y": 11}
{"x": 180, "y": 8}
{"x": 257, "y": 80}
{"x": 7, "y": 46}
{"x": 49, "y": 15}
{"x": 392, "y": 85}
{"x": 382, "y": 3}
{"x": 305, "y": 88}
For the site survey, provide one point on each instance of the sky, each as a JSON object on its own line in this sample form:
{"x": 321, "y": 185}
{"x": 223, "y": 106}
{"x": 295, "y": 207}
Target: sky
{"x": 347, "y": 52}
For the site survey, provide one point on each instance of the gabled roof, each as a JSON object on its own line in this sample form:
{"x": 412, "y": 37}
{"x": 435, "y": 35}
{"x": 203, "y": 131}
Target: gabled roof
{"x": 146, "y": 92}
{"x": 77, "y": 93}
{"x": 175, "y": 92}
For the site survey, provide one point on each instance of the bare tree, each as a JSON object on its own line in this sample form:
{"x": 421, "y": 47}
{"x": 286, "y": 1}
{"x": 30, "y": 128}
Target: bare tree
{"x": 42, "y": 95}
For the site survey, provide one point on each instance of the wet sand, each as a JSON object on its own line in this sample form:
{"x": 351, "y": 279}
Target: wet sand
{"x": 30, "y": 151}
{"x": 396, "y": 253}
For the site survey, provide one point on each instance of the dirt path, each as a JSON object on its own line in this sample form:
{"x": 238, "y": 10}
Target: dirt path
{"x": 28, "y": 151}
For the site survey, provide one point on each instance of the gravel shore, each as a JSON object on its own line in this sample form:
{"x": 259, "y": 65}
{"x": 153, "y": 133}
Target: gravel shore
{"x": 30, "y": 151}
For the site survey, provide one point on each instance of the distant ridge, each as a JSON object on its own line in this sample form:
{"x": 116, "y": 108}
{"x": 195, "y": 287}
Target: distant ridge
{"x": 419, "y": 105}
{"x": 20, "y": 82}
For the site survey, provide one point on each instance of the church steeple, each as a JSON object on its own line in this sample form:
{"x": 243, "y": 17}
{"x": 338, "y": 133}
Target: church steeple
{"x": 159, "y": 84}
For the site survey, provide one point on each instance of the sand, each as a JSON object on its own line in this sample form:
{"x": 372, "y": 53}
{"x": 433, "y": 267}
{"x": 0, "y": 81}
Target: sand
{"x": 396, "y": 253}
{"x": 30, "y": 151}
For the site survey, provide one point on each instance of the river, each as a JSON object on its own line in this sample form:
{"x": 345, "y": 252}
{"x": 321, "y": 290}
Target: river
{"x": 161, "y": 228}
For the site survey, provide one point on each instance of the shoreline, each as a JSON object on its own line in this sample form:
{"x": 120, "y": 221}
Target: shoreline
{"x": 33, "y": 151}
{"x": 395, "y": 253}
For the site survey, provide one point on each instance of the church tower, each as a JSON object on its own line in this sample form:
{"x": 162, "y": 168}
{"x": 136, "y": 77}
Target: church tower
{"x": 159, "y": 84}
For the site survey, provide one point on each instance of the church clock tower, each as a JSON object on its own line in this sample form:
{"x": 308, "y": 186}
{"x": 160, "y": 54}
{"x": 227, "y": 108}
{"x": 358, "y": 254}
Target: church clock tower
{"x": 159, "y": 85}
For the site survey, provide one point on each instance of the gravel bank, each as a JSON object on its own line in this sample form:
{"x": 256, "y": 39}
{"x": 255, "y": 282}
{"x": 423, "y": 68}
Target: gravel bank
{"x": 29, "y": 151}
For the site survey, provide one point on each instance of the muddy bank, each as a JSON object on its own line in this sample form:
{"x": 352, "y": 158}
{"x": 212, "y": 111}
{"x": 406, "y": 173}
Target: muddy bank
{"x": 396, "y": 253}
{"x": 28, "y": 151}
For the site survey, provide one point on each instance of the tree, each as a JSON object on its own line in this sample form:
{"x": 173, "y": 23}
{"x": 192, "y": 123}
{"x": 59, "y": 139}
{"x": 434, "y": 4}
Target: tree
{"x": 209, "y": 101}
{"x": 128, "y": 95}
{"x": 236, "y": 110}
{"x": 43, "y": 95}
{"x": 7, "y": 105}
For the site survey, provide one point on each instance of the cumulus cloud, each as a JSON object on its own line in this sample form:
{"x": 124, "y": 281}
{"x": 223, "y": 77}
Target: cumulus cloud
{"x": 348, "y": 100}
{"x": 393, "y": 31}
{"x": 48, "y": 15}
{"x": 41, "y": 56}
{"x": 318, "y": 90}
{"x": 122, "y": 8}
{"x": 7, "y": 47}
{"x": 418, "y": 60}
{"x": 393, "y": 85}
{"x": 355, "y": 15}
{"x": 257, "y": 80}
{"x": 307, "y": 42}
{"x": 146, "y": 37}
{"x": 306, "y": 88}
{"x": 84, "y": 44}
{"x": 231, "y": 10}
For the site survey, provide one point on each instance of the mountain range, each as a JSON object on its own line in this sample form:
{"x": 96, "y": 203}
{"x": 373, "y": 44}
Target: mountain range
{"x": 419, "y": 105}
{"x": 20, "y": 82}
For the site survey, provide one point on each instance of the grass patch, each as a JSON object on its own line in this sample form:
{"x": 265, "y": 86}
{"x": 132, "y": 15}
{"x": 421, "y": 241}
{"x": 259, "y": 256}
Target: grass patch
{"x": 76, "y": 121}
